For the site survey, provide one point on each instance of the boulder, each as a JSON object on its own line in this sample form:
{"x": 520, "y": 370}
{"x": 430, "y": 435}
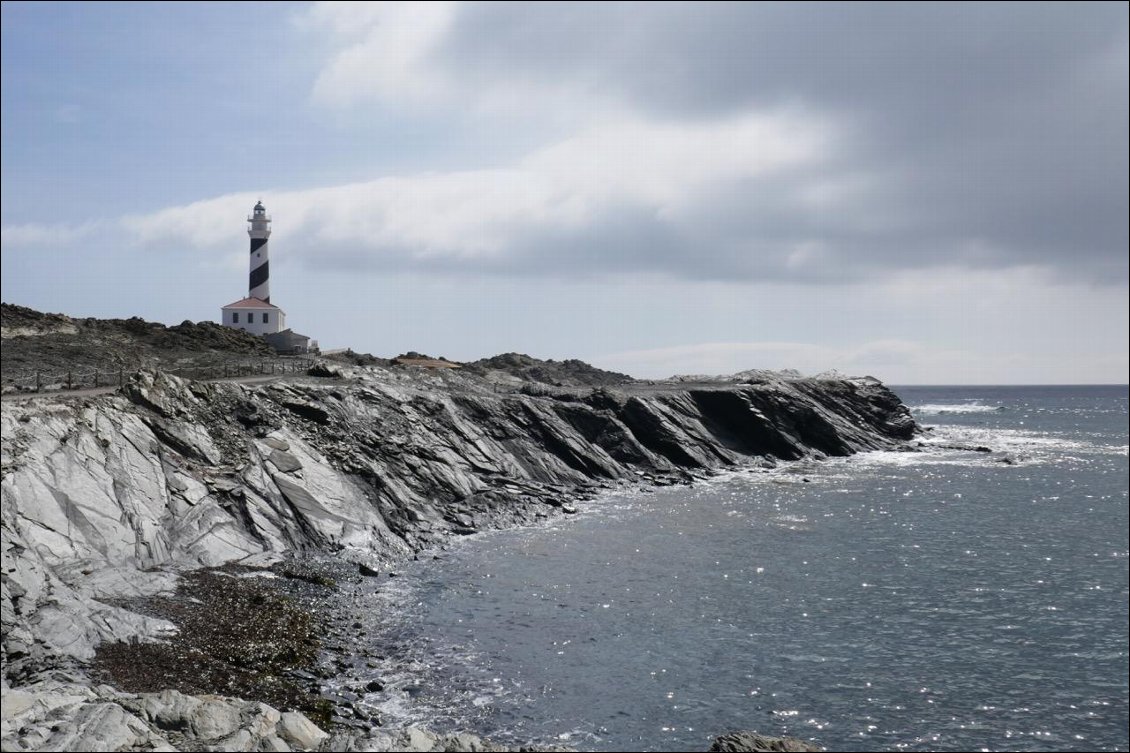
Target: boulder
{"x": 299, "y": 731}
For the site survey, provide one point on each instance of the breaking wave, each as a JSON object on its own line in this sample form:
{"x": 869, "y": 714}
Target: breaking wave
{"x": 942, "y": 409}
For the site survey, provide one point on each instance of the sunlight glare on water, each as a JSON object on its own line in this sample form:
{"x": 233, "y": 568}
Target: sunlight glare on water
{"x": 944, "y": 600}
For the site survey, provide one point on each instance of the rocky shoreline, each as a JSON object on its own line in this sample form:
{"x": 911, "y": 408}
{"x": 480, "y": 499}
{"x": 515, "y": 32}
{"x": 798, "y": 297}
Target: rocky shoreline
{"x": 120, "y": 510}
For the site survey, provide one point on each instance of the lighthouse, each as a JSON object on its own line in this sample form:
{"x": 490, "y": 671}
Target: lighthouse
{"x": 259, "y": 284}
{"x": 255, "y": 313}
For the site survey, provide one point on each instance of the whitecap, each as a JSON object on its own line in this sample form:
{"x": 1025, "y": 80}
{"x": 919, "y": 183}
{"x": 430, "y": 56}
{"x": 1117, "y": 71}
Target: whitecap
{"x": 941, "y": 409}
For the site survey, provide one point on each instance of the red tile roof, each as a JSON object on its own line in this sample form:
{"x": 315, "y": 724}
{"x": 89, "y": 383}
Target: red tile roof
{"x": 251, "y": 303}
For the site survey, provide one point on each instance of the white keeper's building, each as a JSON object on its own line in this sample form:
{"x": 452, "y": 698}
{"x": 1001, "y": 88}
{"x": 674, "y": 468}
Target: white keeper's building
{"x": 255, "y": 316}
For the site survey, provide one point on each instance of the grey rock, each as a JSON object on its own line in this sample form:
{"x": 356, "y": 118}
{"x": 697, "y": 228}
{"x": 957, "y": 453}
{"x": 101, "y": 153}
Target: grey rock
{"x": 54, "y": 716}
{"x": 417, "y": 739}
{"x": 414, "y": 740}
{"x": 274, "y": 743}
{"x": 299, "y": 731}
{"x": 99, "y": 727}
{"x": 200, "y": 717}
{"x": 284, "y": 461}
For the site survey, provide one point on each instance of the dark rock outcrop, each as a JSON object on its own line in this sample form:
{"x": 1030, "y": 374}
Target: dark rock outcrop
{"x": 735, "y": 742}
{"x": 568, "y": 373}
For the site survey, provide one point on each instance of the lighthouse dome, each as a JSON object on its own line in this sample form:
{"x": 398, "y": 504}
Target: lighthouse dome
{"x": 259, "y": 207}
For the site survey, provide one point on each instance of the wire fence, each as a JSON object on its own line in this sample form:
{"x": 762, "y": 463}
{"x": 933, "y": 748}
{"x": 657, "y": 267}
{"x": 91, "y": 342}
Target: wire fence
{"x": 35, "y": 380}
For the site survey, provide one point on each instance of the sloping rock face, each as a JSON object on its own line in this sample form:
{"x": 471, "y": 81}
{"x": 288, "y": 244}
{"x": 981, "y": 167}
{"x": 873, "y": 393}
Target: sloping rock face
{"x": 103, "y": 498}
{"x": 107, "y": 499}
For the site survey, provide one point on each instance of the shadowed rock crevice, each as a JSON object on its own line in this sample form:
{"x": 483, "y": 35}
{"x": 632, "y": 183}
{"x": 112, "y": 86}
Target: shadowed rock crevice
{"x": 735, "y": 422}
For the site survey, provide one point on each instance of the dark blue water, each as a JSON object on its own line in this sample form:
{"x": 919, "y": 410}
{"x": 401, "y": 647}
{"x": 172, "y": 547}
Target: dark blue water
{"x": 942, "y": 600}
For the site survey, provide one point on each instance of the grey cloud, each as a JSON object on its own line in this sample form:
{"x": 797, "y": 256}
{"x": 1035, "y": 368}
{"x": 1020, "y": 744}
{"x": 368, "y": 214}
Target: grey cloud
{"x": 716, "y": 57}
{"x": 996, "y": 127}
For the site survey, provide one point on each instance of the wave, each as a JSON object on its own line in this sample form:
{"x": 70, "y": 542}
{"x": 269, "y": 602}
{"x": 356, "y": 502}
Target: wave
{"x": 941, "y": 409}
{"x": 967, "y": 446}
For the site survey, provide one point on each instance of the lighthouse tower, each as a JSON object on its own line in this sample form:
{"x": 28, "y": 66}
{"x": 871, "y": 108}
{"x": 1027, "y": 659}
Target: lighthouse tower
{"x": 259, "y": 284}
{"x": 255, "y": 313}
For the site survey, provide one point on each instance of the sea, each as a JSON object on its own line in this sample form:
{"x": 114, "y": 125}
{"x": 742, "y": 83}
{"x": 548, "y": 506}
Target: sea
{"x": 971, "y": 595}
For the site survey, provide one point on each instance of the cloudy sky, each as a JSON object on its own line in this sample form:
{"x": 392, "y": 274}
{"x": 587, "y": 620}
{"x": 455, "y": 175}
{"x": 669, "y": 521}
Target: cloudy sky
{"x": 926, "y": 193}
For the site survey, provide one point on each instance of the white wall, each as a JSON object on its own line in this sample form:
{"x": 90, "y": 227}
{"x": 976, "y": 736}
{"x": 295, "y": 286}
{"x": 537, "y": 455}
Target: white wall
{"x": 276, "y": 320}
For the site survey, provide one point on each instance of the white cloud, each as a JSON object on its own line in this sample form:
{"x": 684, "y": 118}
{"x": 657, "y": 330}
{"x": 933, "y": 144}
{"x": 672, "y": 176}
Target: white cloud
{"x": 196, "y": 225}
{"x": 383, "y": 51}
{"x": 396, "y": 55}
{"x": 485, "y": 214}
{"x": 40, "y": 234}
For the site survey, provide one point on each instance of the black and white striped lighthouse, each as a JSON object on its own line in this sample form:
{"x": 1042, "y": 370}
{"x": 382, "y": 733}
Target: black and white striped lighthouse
{"x": 255, "y": 313}
{"x": 259, "y": 283}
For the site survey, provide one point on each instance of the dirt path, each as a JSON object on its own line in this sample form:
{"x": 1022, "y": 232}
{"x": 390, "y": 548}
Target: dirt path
{"x": 18, "y": 397}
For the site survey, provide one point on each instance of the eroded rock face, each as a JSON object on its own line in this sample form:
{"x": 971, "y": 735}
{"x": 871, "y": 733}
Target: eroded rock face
{"x": 108, "y": 498}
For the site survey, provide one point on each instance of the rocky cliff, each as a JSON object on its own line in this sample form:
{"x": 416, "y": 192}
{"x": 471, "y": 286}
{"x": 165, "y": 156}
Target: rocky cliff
{"x": 107, "y": 499}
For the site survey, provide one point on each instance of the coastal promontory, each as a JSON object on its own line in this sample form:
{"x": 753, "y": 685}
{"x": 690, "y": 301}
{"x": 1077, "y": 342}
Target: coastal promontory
{"x": 123, "y": 510}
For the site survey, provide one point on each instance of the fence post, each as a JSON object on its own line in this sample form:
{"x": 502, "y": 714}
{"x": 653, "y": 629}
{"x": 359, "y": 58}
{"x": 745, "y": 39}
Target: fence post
{"x": 38, "y": 383}
{"x": 96, "y": 378}
{"x": 121, "y": 377}
{"x": 70, "y": 380}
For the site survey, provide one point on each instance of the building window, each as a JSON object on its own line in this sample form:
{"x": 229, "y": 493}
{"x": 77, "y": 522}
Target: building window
{"x": 264, "y": 317}
{"x": 235, "y": 317}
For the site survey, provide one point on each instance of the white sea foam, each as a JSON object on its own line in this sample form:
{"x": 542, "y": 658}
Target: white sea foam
{"x": 942, "y": 409}
{"x": 1044, "y": 445}
{"x": 927, "y": 456}
{"x": 966, "y": 445}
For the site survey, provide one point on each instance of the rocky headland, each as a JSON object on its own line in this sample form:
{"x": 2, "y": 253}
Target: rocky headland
{"x": 157, "y": 586}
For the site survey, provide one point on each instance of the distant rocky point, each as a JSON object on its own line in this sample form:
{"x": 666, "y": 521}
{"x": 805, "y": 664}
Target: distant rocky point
{"x": 567, "y": 373}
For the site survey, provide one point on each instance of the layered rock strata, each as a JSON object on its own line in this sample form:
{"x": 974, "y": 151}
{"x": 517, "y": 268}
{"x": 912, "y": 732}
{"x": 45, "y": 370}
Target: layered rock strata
{"x": 108, "y": 499}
